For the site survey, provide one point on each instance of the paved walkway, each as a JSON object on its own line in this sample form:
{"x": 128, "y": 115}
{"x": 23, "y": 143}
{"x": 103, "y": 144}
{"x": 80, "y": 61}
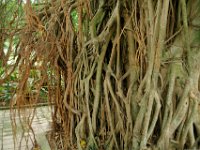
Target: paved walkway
{"x": 40, "y": 125}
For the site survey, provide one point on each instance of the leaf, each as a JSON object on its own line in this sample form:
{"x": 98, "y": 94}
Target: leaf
{"x": 83, "y": 143}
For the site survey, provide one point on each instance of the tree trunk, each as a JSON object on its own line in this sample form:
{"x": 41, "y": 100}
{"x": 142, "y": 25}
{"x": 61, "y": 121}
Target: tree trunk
{"x": 125, "y": 74}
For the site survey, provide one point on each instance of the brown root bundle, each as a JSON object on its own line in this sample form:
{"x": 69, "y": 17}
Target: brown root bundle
{"x": 122, "y": 74}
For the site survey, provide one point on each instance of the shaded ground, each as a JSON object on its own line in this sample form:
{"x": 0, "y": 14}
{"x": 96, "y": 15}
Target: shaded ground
{"x": 41, "y": 124}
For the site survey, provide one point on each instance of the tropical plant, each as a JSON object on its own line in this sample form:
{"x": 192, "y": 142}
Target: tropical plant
{"x": 123, "y": 74}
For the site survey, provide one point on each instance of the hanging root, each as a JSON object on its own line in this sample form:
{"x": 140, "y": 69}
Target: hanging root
{"x": 122, "y": 74}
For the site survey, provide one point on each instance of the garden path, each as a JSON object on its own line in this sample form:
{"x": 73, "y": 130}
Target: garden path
{"x": 41, "y": 124}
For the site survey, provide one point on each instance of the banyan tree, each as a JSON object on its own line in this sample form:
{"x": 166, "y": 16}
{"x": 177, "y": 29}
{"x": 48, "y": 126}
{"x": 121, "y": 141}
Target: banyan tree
{"x": 121, "y": 74}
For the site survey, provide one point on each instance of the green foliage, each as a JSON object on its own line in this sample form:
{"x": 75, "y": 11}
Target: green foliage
{"x": 1, "y": 68}
{"x": 11, "y": 11}
{"x": 74, "y": 16}
{"x": 10, "y": 16}
{"x": 7, "y": 89}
